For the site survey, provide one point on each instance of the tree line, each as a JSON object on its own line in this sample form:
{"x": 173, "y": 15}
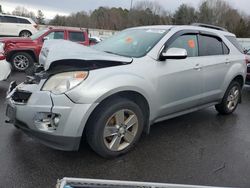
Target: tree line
{"x": 215, "y": 12}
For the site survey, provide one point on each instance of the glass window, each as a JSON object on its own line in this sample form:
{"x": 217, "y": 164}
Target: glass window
{"x": 234, "y": 41}
{"x": 76, "y": 36}
{"x": 23, "y": 21}
{"x": 225, "y": 48}
{"x": 209, "y": 45}
{"x": 9, "y": 19}
{"x": 188, "y": 42}
{"x": 38, "y": 34}
{"x": 132, "y": 42}
{"x": 56, "y": 35}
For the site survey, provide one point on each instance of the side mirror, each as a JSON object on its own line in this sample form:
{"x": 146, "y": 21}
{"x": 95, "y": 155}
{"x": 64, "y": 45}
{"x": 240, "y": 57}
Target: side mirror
{"x": 45, "y": 38}
{"x": 174, "y": 53}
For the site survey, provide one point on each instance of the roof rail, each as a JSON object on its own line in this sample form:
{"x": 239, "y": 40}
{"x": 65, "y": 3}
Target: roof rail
{"x": 209, "y": 26}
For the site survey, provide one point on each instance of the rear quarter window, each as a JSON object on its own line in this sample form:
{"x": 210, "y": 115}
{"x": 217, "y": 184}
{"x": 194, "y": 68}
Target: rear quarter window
{"x": 23, "y": 21}
{"x": 234, "y": 41}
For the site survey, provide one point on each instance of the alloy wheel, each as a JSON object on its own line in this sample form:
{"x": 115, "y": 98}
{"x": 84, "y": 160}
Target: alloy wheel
{"x": 120, "y": 130}
{"x": 21, "y": 62}
{"x": 233, "y": 98}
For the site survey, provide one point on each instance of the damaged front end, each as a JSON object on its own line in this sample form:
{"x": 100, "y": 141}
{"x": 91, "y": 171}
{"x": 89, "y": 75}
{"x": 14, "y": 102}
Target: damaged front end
{"x": 72, "y": 57}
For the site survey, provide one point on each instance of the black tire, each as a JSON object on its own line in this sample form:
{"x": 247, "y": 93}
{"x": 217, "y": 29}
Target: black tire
{"x": 97, "y": 123}
{"x": 223, "y": 108}
{"x": 29, "y": 61}
{"x": 25, "y": 34}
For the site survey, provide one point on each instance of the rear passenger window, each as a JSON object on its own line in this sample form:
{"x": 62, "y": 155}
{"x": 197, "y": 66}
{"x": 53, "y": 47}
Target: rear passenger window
{"x": 209, "y": 45}
{"x": 76, "y": 36}
{"x": 188, "y": 42}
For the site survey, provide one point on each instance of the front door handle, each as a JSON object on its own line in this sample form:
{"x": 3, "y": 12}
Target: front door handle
{"x": 197, "y": 67}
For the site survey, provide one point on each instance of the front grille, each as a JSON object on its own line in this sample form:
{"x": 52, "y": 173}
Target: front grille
{"x": 21, "y": 96}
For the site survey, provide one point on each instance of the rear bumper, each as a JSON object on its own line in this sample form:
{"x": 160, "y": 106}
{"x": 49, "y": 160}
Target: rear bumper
{"x": 54, "y": 141}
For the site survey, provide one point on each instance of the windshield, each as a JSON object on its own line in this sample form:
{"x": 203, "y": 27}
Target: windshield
{"x": 132, "y": 43}
{"x": 38, "y": 34}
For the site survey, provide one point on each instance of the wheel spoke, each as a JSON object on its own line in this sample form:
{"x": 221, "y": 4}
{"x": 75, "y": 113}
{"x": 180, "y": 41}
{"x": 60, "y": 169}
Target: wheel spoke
{"x": 114, "y": 145}
{"x": 110, "y": 131}
{"x": 131, "y": 121}
{"x": 230, "y": 104}
{"x": 236, "y": 93}
{"x": 119, "y": 117}
{"x": 129, "y": 137}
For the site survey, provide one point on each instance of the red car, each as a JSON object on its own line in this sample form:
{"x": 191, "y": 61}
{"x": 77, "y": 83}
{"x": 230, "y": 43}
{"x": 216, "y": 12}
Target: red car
{"x": 24, "y": 52}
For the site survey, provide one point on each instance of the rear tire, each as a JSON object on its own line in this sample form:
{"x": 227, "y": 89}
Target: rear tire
{"x": 21, "y": 61}
{"x": 25, "y": 34}
{"x": 109, "y": 133}
{"x": 230, "y": 100}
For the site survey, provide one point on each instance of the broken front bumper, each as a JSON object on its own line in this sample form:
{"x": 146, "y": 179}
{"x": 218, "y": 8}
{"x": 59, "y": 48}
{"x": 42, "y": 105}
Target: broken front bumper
{"x": 53, "y": 119}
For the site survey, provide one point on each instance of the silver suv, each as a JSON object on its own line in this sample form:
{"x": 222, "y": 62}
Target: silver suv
{"x": 119, "y": 88}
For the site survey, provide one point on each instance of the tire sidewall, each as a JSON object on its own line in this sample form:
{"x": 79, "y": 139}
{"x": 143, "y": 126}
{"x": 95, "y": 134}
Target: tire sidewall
{"x": 100, "y": 121}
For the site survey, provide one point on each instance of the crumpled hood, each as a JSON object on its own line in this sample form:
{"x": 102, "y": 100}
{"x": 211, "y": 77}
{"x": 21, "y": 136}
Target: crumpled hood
{"x": 54, "y": 51}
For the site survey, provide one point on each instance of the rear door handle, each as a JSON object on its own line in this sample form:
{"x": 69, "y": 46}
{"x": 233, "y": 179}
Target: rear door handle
{"x": 197, "y": 67}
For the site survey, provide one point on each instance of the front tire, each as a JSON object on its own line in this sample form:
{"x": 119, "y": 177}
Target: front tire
{"x": 115, "y": 127}
{"x": 21, "y": 61}
{"x": 230, "y": 100}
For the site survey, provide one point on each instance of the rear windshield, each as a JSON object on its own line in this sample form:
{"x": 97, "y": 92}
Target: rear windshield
{"x": 234, "y": 41}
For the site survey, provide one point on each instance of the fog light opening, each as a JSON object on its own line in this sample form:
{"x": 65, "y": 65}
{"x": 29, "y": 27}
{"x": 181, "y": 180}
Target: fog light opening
{"x": 47, "y": 122}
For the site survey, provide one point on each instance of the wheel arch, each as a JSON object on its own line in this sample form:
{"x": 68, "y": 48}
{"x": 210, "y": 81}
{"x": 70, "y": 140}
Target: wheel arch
{"x": 28, "y": 51}
{"x": 240, "y": 79}
{"x": 134, "y": 96}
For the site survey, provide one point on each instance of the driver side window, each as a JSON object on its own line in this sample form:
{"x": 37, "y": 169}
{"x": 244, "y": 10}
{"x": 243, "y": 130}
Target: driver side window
{"x": 188, "y": 42}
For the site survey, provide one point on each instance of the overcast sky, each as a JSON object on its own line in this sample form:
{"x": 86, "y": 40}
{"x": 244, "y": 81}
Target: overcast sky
{"x": 53, "y": 7}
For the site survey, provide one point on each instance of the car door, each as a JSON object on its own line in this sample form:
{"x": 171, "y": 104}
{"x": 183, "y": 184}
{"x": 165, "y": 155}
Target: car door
{"x": 214, "y": 54}
{"x": 180, "y": 80}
